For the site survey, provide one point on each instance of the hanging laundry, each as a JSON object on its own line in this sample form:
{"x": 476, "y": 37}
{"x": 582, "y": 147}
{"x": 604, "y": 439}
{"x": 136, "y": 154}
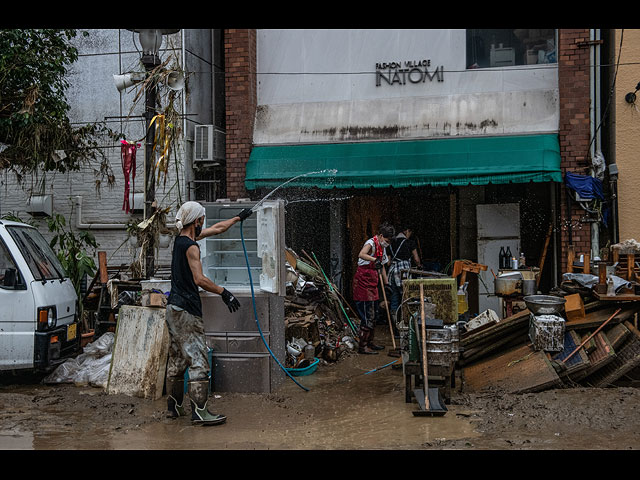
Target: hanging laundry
{"x": 128, "y": 153}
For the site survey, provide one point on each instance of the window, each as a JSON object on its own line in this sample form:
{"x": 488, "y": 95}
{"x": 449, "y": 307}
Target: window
{"x": 8, "y": 269}
{"x": 492, "y": 48}
{"x": 43, "y": 263}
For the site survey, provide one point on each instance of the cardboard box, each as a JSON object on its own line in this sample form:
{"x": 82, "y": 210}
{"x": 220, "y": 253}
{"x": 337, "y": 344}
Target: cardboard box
{"x": 574, "y": 308}
{"x": 153, "y": 300}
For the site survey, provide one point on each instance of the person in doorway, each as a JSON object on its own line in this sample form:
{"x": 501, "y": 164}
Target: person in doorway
{"x": 188, "y": 348}
{"x": 402, "y": 250}
{"x": 371, "y": 261}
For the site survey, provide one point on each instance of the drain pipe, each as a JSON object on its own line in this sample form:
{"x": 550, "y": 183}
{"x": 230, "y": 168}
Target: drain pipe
{"x": 594, "y": 37}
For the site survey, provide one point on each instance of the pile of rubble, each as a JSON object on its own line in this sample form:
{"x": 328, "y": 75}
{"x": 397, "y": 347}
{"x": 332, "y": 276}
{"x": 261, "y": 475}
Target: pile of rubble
{"x": 597, "y": 340}
{"x": 316, "y": 314}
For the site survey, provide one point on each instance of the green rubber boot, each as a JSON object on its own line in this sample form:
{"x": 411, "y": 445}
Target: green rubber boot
{"x": 175, "y": 399}
{"x": 199, "y": 394}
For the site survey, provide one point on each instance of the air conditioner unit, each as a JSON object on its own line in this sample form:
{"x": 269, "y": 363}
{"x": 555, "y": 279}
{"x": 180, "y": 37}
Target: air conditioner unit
{"x": 209, "y": 144}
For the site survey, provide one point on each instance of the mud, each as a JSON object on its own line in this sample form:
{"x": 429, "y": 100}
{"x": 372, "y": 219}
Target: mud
{"x": 346, "y": 408}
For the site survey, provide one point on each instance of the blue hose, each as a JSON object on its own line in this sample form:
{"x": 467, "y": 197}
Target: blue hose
{"x": 255, "y": 312}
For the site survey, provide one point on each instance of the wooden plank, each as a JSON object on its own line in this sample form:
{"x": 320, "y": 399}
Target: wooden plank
{"x": 102, "y": 267}
{"x": 140, "y": 351}
{"x": 514, "y": 321}
{"x": 518, "y": 370}
{"x": 620, "y": 297}
{"x": 595, "y": 318}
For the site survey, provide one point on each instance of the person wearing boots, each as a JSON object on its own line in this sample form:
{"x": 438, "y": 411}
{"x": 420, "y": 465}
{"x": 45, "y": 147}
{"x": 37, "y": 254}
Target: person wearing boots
{"x": 402, "y": 251}
{"x": 371, "y": 259}
{"x": 188, "y": 348}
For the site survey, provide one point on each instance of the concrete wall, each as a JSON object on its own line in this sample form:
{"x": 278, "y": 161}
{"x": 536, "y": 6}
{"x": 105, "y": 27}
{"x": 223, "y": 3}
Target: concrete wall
{"x": 322, "y": 86}
{"x": 627, "y": 134}
{"x": 93, "y": 97}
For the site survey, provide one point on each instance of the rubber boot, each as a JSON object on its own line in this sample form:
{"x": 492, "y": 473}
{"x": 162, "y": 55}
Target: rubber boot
{"x": 199, "y": 394}
{"x": 175, "y": 399}
{"x": 363, "y": 348}
{"x": 372, "y": 345}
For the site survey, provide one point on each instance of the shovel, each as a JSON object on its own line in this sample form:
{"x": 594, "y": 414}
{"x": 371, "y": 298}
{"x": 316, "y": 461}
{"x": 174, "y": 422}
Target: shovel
{"x": 428, "y": 399}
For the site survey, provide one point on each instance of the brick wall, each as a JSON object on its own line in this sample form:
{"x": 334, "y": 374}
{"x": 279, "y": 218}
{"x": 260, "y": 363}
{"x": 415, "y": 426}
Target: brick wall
{"x": 574, "y": 132}
{"x": 241, "y": 101}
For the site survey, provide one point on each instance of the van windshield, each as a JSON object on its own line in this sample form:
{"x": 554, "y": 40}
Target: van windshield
{"x": 43, "y": 263}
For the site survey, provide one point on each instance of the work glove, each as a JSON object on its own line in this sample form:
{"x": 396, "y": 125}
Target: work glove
{"x": 232, "y": 302}
{"x": 245, "y": 213}
{"x": 378, "y": 265}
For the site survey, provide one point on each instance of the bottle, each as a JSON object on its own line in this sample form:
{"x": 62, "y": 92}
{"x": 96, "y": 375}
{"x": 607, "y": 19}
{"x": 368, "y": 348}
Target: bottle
{"x": 508, "y": 258}
{"x": 514, "y": 263}
{"x": 521, "y": 261}
{"x": 501, "y": 258}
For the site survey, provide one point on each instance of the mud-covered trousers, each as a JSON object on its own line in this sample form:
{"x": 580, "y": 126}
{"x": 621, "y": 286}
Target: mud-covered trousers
{"x": 188, "y": 348}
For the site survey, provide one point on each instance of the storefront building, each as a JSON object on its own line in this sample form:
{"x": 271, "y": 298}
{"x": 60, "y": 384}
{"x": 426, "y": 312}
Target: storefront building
{"x": 464, "y": 135}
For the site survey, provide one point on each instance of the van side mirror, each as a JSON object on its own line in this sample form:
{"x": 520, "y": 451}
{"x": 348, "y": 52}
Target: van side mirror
{"x": 10, "y": 277}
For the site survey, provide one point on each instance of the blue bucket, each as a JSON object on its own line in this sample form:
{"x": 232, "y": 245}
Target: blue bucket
{"x": 301, "y": 372}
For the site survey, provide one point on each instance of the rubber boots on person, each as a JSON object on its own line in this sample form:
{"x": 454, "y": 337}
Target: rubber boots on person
{"x": 363, "y": 347}
{"x": 199, "y": 394}
{"x": 372, "y": 345}
{"x": 175, "y": 399}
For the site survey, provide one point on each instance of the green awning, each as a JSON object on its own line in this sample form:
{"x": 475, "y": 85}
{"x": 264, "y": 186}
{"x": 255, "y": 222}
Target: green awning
{"x": 442, "y": 162}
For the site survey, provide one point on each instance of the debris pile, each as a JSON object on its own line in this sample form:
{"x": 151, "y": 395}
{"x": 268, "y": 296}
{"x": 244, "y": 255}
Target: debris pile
{"x": 316, "y": 314}
{"x": 597, "y": 330}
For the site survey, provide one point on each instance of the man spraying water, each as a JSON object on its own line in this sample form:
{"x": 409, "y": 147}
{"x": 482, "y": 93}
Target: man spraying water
{"x": 184, "y": 314}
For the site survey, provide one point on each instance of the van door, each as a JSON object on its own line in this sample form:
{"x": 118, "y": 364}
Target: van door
{"x": 17, "y": 315}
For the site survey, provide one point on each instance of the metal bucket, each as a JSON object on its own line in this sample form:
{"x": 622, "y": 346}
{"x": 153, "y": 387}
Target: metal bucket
{"x": 443, "y": 346}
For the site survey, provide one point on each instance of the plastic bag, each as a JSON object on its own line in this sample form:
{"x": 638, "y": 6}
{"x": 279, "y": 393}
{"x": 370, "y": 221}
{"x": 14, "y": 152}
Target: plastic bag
{"x": 90, "y": 367}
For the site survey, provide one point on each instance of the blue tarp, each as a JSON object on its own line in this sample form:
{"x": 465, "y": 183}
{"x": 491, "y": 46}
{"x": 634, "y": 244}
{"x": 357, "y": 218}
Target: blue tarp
{"x": 584, "y": 185}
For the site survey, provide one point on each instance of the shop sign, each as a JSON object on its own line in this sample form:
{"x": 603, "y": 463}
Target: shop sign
{"x": 409, "y": 71}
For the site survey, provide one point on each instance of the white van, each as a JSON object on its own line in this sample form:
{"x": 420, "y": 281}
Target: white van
{"x": 38, "y": 320}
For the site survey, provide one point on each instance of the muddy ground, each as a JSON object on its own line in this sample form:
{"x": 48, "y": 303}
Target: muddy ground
{"x": 347, "y": 407}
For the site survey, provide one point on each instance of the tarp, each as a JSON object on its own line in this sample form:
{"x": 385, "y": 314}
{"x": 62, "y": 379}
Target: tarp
{"x": 586, "y": 186}
{"x": 383, "y": 164}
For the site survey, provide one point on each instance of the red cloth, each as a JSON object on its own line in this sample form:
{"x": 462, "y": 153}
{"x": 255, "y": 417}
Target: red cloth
{"x": 128, "y": 151}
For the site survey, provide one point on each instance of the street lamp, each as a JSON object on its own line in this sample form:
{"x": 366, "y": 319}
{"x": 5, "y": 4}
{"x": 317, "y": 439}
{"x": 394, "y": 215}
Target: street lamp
{"x": 150, "y": 41}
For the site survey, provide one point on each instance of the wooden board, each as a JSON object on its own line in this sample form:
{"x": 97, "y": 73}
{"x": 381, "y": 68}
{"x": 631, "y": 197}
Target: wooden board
{"x": 595, "y": 318}
{"x": 621, "y": 297}
{"x": 140, "y": 351}
{"x": 518, "y": 370}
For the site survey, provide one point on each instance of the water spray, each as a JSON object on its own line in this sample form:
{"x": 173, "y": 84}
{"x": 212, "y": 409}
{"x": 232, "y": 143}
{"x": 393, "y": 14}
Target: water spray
{"x": 246, "y": 257}
{"x": 255, "y": 207}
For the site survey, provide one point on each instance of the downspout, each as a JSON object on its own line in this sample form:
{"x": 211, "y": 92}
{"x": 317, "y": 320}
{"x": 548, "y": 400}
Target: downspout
{"x": 187, "y": 175}
{"x": 594, "y": 61}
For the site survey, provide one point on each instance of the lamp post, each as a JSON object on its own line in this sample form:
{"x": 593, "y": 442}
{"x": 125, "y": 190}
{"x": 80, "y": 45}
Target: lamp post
{"x": 150, "y": 41}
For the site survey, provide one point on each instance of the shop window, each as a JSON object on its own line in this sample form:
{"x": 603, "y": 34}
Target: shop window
{"x": 494, "y": 48}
